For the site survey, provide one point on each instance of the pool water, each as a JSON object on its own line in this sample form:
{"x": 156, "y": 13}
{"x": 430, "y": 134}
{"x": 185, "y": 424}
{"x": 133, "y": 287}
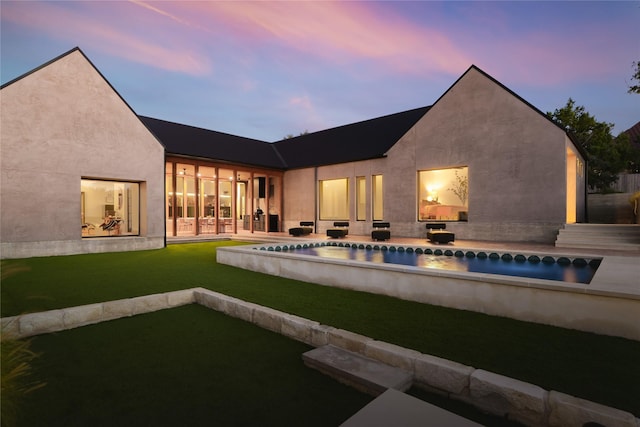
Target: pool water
{"x": 550, "y": 269}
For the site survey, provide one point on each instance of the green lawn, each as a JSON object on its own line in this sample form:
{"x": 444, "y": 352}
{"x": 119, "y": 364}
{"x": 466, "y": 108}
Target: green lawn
{"x": 188, "y": 366}
{"x": 599, "y": 368}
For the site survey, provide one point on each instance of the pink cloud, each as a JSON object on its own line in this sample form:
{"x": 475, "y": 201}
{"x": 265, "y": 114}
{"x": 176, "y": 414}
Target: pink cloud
{"x": 354, "y": 36}
{"x": 165, "y": 13}
{"x": 339, "y": 31}
{"x": 301, "y": 101}
{"x": 550, "y": 51}
{"x": 92, "y": 30}
{"x": 535, "y": 59}
{"x": 304, "y": 113}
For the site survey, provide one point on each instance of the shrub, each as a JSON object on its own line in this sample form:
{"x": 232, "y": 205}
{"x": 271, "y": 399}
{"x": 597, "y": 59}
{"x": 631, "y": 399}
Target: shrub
{"x": 16, "y": 382}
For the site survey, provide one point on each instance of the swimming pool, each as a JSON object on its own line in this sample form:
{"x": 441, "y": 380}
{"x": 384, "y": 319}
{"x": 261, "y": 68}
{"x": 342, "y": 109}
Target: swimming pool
{"x": 578, "y": 270}
{"x": 593, "y": 307}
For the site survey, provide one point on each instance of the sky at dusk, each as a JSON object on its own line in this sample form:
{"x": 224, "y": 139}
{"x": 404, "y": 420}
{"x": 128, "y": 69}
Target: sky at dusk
{"x": 268, "y": 69}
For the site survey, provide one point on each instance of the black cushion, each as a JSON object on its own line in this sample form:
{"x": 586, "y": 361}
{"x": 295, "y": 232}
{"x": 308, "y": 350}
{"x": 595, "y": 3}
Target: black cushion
{"x": 337, "y": 232}
{"x": 436, "y": 226}
{"x": 441, "y": 236}
{"x": 380, "y": 234}
{"x": 381, "y": 225}
{"x": 298, "y": 231}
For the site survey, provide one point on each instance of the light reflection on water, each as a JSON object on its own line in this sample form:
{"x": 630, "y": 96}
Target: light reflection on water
{"x": 565, "y": 273}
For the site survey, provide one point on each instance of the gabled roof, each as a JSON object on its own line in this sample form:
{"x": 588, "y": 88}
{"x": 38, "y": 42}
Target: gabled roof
{"x": 578, "y": 146}
{"x": 56, "y": 59}
{"x": 197, "y": 142}
{"x": 46, "y": 64}
{"x": 357, "y": 141}
{"x": 634, "y": 134}
{"x": 363, "y": 140}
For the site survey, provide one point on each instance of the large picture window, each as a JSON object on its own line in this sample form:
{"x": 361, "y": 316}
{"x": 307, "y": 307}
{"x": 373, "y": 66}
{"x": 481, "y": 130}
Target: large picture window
{"x": 334, "y": 199}
{"x": 443, "y": 194}
{"x": 109, "y": 208}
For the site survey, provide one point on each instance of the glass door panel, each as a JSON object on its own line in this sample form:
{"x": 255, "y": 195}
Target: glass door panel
{"x": 275, "y": 202}
{"x": 185, "y": 200}
{"x": 243, "y": 200}
{"x": 207, "y": 200}
{"x": 169, "y": 198}
{"x": 225, "y": 181}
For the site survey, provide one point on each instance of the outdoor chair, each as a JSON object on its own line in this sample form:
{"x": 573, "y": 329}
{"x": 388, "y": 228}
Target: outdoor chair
{"x": 341, "y": 229}
{"x": 306, "y": 227}
{"x": 381, "y": 231}
{"x": 436, "y": 233}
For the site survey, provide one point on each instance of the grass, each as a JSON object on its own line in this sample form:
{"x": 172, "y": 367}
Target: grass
{"x": 185, "y": 366}
{"x": 189, "y": 366}
{"x": 17, "y": 378}
{"x": 595, "y": 367}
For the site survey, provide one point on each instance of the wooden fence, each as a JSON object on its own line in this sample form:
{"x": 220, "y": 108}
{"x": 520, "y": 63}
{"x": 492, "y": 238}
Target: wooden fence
{"x": 627, "y": 183}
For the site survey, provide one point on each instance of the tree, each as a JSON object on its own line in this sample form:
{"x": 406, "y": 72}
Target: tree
{"x": 461, "y": 188}
{"x": 634, "y": 157}
{"x": 289, "y": 136}
{"x": 634, "y": 160}
{"x": 636, "y": 87}
{"x": 607, "y": 156}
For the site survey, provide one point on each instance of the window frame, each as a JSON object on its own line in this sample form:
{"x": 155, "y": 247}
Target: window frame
{"x": 437, "y": 196}
{"x": 126, "y": 201}
{"x": 344, "y": 210}
{"x": 361, "y": 198}
{"x": 377, "y": 197}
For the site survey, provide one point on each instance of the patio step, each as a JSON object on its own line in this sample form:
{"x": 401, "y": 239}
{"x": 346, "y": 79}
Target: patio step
{"x": 363, "y": 373}
{"x": 394, "y": 408}
{"x": 600, "y": 236}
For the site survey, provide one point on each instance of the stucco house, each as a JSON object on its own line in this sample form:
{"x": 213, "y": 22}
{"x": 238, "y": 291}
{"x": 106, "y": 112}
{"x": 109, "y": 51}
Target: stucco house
{"x": 81, "y": 172}
{"x": 524, "y": 176}
{"x": 74, "y": 156}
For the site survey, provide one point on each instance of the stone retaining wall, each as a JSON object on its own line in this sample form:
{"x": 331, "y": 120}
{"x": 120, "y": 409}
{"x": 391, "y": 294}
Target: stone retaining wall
{"x": 497, "y": 394}
{"x": 45, "y": 322}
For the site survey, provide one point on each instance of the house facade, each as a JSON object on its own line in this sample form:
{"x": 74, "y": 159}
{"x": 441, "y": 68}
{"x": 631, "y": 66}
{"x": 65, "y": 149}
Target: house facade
{"x": 520, "y": 176}
{"x": 81, "y": 172}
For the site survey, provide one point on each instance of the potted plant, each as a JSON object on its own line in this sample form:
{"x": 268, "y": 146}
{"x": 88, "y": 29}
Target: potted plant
{"x": 461, "y": 189}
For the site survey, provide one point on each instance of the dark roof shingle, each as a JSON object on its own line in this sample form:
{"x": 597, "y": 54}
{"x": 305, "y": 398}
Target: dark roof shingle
{"x": 191, "y": 141}
{"x": 634, "y": 134}
{"x": 357, "y": 141}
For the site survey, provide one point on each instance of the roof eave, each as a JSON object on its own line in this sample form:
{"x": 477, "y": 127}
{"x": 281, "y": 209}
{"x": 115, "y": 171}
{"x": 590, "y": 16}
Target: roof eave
{"x": 222, "y": 161}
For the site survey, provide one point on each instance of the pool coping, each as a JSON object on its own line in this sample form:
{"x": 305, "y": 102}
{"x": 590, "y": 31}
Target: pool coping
{"x": 597, "y": 307}
{"x": 597, "y": 286}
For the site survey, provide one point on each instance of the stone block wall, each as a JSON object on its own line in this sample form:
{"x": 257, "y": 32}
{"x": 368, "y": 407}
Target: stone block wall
{"x": 497, "y": 394}
{"x": 27, "y": 325}
{"x": 494, "y": 393}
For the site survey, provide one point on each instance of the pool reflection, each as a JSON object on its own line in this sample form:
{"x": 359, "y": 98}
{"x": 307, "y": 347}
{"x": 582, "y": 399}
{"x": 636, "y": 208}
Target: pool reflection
{"x": 540, "y": 270}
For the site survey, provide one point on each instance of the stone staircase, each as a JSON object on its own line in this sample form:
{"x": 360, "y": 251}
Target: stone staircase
{"x": 367, "y": 375}
{"x": 622, "y": 237}
{"x": 391, "y": 407}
